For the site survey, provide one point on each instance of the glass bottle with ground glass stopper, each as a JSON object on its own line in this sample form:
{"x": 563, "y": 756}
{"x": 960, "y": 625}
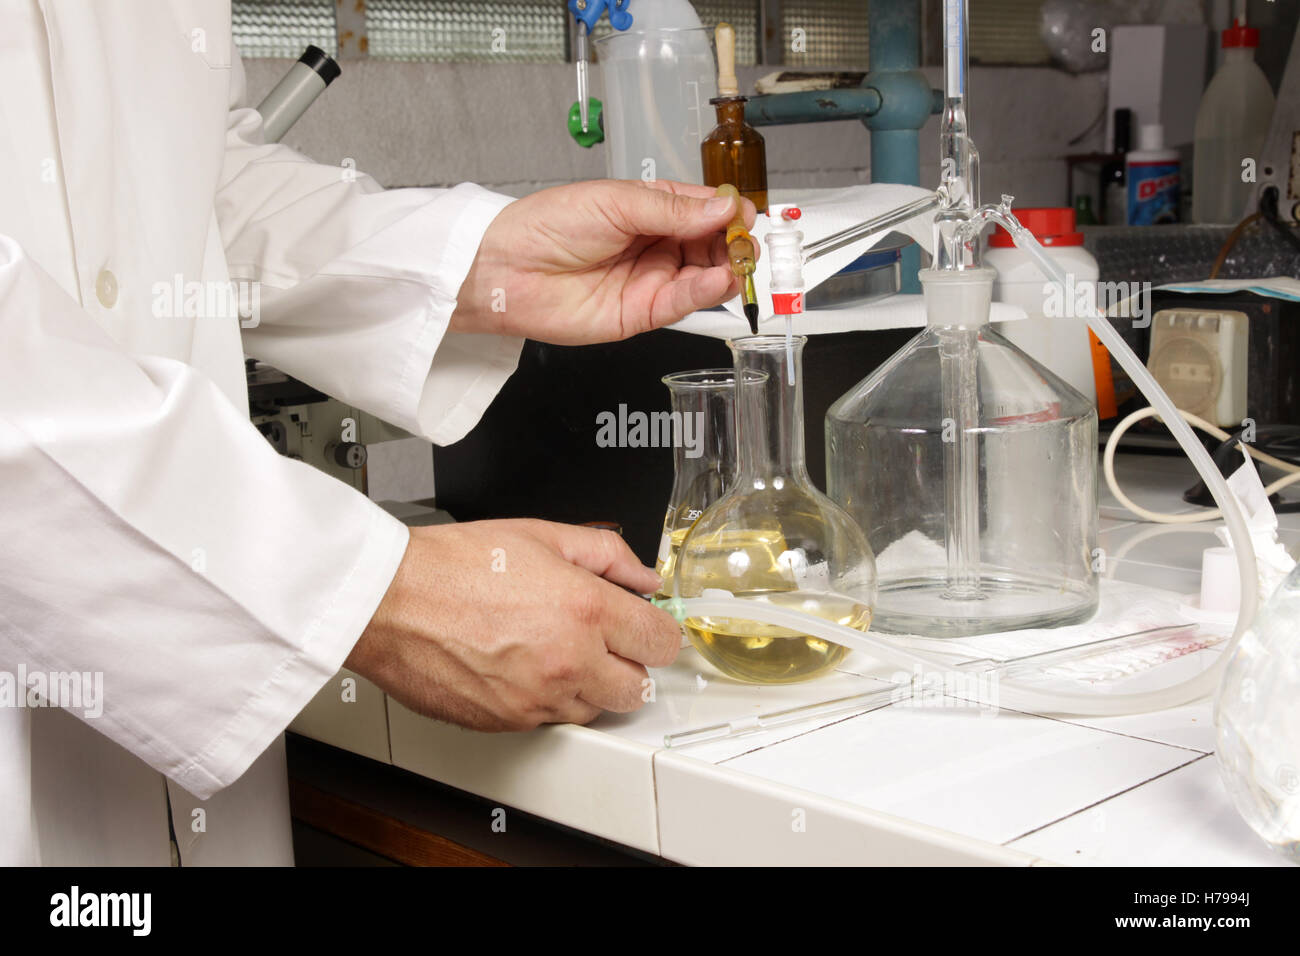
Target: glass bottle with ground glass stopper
{"x": 972, "y": 469}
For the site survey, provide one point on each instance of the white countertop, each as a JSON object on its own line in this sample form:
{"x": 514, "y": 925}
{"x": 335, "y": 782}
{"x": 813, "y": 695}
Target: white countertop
{"x": 899, "y": 784}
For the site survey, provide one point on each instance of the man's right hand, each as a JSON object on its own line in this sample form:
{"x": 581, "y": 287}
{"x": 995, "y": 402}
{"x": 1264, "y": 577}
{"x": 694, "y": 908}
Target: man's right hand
{"x": 505, "y": 625}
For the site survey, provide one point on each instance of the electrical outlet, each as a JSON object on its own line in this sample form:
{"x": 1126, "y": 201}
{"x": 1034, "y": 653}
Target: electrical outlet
{"x": 1200, "y": 359}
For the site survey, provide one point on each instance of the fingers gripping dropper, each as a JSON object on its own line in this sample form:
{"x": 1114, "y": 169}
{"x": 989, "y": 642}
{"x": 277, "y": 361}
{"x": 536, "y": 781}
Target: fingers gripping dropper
{"x": 742, "y": 252}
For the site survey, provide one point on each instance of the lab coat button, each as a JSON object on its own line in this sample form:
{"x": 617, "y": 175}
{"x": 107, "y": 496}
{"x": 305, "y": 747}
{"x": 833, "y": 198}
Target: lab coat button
{"x": 106, "y": 289}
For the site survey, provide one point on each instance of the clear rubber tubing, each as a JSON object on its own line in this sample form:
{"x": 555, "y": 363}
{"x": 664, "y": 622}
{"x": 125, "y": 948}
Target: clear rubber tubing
{"x": 1011, "y": 694}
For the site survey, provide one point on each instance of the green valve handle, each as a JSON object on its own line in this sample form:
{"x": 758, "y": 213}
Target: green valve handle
{"x": 595, "y": 125}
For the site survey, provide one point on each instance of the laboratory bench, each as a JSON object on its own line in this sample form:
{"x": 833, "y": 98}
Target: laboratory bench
{"x": 902, "y": 783}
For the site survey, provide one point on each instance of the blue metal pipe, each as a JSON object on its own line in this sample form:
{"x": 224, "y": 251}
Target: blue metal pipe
{"x": 908, "y": 101}
{"x": 894, "y": 100}
{"x": 814, "y": 106}
{"x": 907, "y": 98}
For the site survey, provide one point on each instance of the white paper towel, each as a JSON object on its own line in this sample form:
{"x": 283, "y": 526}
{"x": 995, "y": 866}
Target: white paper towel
{"x": 895, "y": 312}
{"x": 826, "y": 212}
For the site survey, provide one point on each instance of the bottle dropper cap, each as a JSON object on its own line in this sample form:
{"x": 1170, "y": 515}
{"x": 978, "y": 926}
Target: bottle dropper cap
{"x": 1151, "y": 137}
{"x": 1240, "y": 35}
{"x": 725, "y": 37}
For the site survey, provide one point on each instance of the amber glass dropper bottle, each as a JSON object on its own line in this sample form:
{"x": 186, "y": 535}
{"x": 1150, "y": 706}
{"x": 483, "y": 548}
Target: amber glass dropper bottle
{"x": 734, "y": 152}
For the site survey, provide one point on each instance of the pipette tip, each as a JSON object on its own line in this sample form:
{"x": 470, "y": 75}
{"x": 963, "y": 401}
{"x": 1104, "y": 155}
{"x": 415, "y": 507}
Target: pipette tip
{"x": 750, "y": 300}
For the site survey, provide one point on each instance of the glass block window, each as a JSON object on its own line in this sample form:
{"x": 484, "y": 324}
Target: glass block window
{"x": 741, "y": 14}
{"x": 498, "y": 31}
{"x": 830, "y": 33}
{"x": 1007, "y": 32}
{"x": 283, "y": 28}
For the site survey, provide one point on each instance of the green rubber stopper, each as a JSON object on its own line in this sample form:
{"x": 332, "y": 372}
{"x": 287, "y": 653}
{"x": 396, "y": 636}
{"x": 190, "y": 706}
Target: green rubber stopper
{"x": 595, "y": 124}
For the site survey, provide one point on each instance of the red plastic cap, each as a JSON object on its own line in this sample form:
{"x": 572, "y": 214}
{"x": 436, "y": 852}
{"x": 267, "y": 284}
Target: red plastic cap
{"x": 1240, "y": 35}
{"x": 787, "y": 303}
{"x": 1051, "y": 225}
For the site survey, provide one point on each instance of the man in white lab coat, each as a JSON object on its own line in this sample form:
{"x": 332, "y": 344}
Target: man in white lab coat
{"x": 156, "y": 546}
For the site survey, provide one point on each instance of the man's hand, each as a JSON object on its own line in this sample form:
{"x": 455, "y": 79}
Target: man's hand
{"x": 599, "y": 262}
{"x": 505, "y": 625}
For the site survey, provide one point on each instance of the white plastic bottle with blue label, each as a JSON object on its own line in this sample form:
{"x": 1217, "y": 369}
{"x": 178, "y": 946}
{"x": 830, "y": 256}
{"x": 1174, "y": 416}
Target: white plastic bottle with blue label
{"x": 1155, "y": 180}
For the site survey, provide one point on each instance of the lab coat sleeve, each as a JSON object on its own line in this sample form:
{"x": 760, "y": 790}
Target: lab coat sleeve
{"x": 358, "y": 283}
{"x": 156, "y": 544}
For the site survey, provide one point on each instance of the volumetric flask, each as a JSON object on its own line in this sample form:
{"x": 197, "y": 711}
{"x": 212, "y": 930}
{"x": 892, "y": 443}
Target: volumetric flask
{"x": 773, "y": 536}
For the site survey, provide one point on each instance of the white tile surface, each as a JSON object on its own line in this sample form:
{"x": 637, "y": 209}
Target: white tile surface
{"x": 1182, "y": 819}
{"x": 714, "y": 816}
{"x": 1191, "y": 726}
{"x": 720, "y": 751}
{"x": 1170, "y": 546}
{"x": 1182, "y": 581}
{"x": 1155, "y": 482}
{"x": 1174, "y": 546}
{"x": 690, "y": 695}
{"x": 990, "y": 778}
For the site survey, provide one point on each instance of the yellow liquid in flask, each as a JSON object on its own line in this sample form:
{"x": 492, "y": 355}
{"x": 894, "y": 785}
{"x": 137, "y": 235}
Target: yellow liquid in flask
{"x": 666, "y": 566}
{"x": 765, "y": 653}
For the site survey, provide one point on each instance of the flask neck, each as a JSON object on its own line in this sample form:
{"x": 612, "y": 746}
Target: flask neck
{"x": 957, "y": 299}
{"x": 769, "y": 411}
{"x": 701, "y": 424}
{"x": 731, "y": 112}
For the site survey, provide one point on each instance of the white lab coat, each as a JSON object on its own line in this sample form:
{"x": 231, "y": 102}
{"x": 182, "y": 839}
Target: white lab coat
{"x": 148, "y": 533}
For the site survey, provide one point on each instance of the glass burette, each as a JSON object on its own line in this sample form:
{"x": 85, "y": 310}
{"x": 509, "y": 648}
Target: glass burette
{"x": 959, "y": 333}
